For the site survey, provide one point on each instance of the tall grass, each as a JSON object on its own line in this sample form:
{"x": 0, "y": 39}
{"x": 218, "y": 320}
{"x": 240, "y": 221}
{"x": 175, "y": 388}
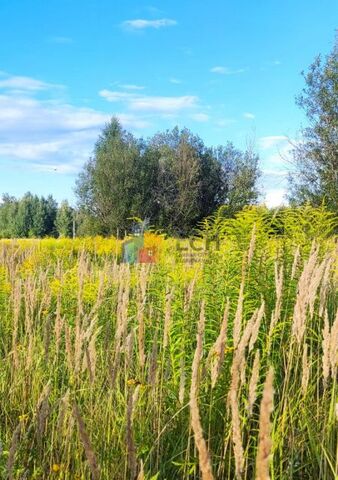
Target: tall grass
{"x": 224, "y": 368}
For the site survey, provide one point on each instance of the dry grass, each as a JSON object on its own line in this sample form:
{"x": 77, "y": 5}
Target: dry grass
{"x": 165, "y": 371}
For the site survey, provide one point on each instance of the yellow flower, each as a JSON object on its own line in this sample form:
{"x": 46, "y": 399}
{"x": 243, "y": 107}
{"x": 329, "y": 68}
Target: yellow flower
{"x": 23, "y": 418}
{"x": 56, "y": 467}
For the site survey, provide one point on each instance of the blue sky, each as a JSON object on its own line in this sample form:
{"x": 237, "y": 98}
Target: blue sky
{"x": 228, "y": 70}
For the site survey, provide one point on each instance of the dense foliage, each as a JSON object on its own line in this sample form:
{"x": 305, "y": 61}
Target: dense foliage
{"x": 316, "y": 155}
{"x": 172, "y": 179}
{"x": 30, "y": 216}
{"x": 225, "y": 362}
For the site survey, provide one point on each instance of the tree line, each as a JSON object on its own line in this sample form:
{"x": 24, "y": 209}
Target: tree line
{"x": 33, "y": 216}
{"x": 172, "y": 181}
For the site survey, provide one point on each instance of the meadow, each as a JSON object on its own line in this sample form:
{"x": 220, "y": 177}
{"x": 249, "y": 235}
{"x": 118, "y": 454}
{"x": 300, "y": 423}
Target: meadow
{"x": 222, "y": 366}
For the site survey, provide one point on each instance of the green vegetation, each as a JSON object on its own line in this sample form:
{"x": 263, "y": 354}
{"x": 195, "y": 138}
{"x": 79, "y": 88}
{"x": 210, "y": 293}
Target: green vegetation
{"x": 173, "y": 370}
{"x": 316, "y": 156}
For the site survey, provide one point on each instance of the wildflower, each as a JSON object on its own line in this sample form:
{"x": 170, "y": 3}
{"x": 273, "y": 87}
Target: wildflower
{"x": 23, "y": 418}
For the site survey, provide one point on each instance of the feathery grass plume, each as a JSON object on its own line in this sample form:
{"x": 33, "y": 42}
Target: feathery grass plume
{"x": 264, "y": 439}
{"x": 238, "y": 315}
{"x": 131, "y": 448}
{"x": 204, "y": 459}
{"x": 181, "y": 392}
{"x": 47, "y": 336}
{"x": 63, "y": 407}
{"x": 305, "y": 369}
{"x": 59, "y": 322}
{"x": 122, "y": 321}
{"x": 279, "y": 275}
{"x": 315, "y": 281}
{"x": 302, "y": 299}
{"x": 12, "y": 451}
{"x": 141, "y": 303}
{"x": 89, "y": 451}
{"x": 152, "y": 372}
{"x": 69, "y": 349}
{"x": 253, "y": 382}
{"x": 252, "y": 245}
{"x": 216, "y": 354}
{"x": 237, "y": 378}
{"x": 295, "y": 262}
{"x": 16, "y": 306}
{"x": 129, "y": 345}
{"x": 326, "y": 344}
{"x": 167, "y": 318}
{"x": 256, "y": 325}
{"x": 237, "y": 435}
{"x": 141, "y": 475}
{"x": 324, "y": 287}
{"x": 42, "y": 411}
{"x": 92, "y": 355}
{"x": 334, "y": 347}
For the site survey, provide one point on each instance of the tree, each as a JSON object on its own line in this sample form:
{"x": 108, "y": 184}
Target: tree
{"x": 8, "y": 212}
{"x": 189, "y": 184}
{"x": 316, "y": 157}
{"x": 64, "y": 220}
{"x": 115, "y": 184}
{"x": 240, "y": 175}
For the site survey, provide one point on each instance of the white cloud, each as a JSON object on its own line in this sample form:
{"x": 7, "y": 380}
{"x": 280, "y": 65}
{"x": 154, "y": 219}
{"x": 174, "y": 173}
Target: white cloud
{"x": 249, "y": 116}
{"x": 141, "y": 24}
{"x": 175, "y": 81}
{"x": 151, "y": 104}
{"x": 224, "y": 122}
{"x": 44, "y": 134}
{"x": 163, "y": 104}
{"x": 24, "y": 83}
{"x": 200, "y": 117}
{"x": 116, "y": 96}
{"x": 272, "y": 141}
{"x": 132, "y": 87}
{"x": 275, "y": 197}
{"x": 226, "y": 71}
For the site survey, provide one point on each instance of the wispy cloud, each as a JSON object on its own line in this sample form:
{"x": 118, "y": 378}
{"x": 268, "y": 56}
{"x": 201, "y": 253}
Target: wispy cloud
{"x": 151, "y": 104}
{"x": 49, "y": 134}
{"x": 116, "y": 96}
{"x": 132, "y": 87}
{"x": 175, "y": 81}
{"x": 142, "y": 24}
{"x": 272, "y": 141}
{"x": 13, "y": 82}
{"x": 227, "y": 71}
{"x": 224, "y": 122}
{"x": 249, "y": 116}
{"x": 200, "y": 117}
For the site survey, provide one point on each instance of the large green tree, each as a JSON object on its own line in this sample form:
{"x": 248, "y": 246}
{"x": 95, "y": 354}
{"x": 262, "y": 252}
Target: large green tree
{"x": 173, "y": 180}
{"x": 64, "y": 220}
{"x": 116, "y": 182}
{"x": 189, "y": 185}
{"x": 315, "y": 179}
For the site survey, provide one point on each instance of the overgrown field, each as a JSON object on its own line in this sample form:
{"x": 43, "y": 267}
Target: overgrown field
{"x": 222, "y": 367}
